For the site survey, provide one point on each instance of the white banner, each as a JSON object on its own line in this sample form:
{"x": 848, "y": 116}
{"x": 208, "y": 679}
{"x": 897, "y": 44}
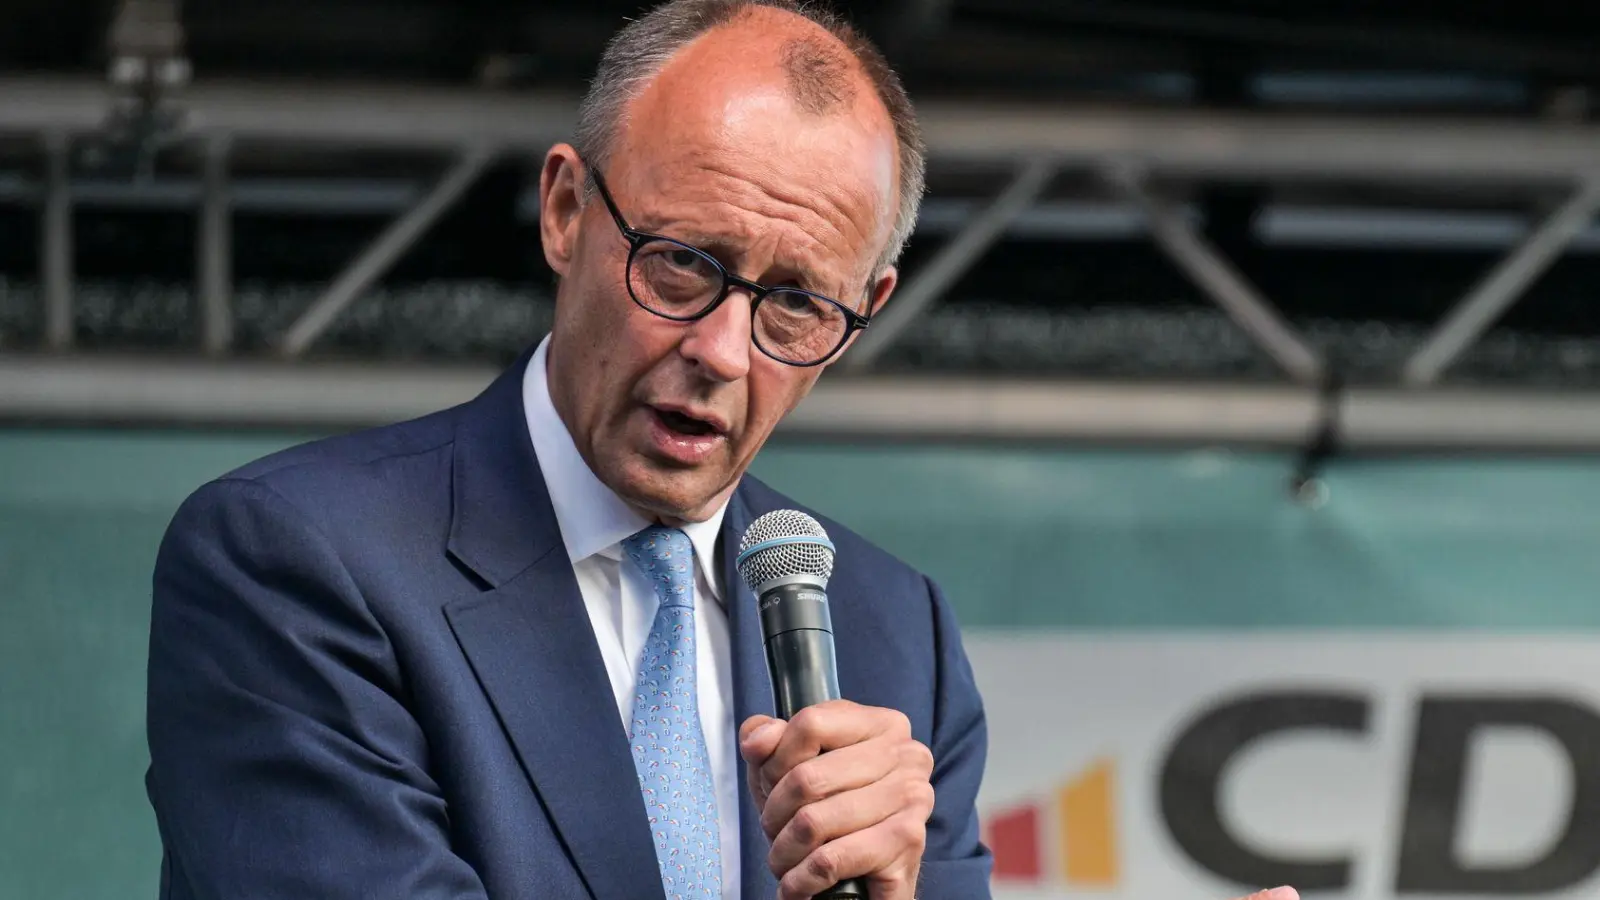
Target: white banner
{"x": 1359, "y": 766}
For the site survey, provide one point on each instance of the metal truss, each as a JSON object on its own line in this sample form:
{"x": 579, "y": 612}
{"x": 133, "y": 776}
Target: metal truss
{"x": 1133, "y": 151}
{"x": 385, "y": 250}
{"x": 315, "y": 394}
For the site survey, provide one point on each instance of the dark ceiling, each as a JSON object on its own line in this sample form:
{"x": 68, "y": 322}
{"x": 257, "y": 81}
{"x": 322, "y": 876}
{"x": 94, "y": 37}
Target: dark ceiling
{"x": 1165, "y": 50}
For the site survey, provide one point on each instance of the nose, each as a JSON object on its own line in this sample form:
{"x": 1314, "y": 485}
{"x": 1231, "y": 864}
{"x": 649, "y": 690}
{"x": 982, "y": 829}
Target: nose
{"x": 719, "y": 344}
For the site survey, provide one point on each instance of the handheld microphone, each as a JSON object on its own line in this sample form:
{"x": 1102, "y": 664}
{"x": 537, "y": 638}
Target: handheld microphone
{"x": 785, "y": 557}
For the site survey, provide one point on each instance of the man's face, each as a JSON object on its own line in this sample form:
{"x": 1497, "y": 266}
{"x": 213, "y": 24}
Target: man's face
{"x": 715, "y": 154}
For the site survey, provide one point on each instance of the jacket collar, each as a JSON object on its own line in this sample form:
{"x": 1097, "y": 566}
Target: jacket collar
{"x": 501, "y": 520}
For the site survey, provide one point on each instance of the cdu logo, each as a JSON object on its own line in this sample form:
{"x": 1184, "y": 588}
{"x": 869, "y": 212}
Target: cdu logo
{"x": 1068, "y": 836}
{"x": 1427, "y": 842}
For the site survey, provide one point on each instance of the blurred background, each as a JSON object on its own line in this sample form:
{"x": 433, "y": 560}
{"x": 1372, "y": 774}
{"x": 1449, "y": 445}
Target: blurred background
{"x": 1243, "y": 392}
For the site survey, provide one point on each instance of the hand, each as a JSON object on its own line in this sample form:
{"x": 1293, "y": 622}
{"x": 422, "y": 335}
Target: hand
{"x": 844, "y": 792}
{"x": 1282, "y": 893}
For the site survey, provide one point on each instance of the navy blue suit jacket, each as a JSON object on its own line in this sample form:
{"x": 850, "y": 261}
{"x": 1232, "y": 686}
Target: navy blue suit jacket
{"x": 372, "y": 675}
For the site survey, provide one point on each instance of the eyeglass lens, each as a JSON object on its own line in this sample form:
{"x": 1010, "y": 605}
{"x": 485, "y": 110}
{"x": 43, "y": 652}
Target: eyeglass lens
{"x": 679, "y": 282}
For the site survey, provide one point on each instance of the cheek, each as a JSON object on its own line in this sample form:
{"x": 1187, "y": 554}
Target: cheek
{"x": 775, "y": 390}
{"x": 592, "y": 322}
{"x": 623, "y": 346}
{"x": 601, "y": 316}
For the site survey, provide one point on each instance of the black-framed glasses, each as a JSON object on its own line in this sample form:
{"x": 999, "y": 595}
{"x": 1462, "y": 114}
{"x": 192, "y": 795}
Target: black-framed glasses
{"x": 683, "y": 283}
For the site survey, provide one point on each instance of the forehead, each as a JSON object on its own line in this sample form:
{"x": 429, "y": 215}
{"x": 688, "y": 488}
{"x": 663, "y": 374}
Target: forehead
{"x": 722, "y": 122}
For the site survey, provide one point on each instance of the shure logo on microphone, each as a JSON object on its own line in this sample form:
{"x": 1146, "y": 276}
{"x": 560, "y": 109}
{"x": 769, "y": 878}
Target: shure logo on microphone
{"x": 775, "y": 598}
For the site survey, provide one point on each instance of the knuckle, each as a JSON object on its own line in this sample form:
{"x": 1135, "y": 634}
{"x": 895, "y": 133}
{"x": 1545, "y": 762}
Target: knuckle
{"x": 809, "y": 782}
{"x": 806, "y": 827}
{"x": 825, "y": 865}
{"x": 911, "y": 831}
{"x": 808, "y": 722}
{"x": 917, "y": 795}
{"x": 916, "y": 755}
{"x": 899, "y": 722}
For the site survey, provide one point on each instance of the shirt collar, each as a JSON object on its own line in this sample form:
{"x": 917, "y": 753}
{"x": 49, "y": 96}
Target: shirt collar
{"x": 592, "y": 518}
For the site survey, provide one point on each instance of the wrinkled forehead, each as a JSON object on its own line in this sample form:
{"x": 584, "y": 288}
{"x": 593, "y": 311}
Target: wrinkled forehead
{"x": 728, "y": 106}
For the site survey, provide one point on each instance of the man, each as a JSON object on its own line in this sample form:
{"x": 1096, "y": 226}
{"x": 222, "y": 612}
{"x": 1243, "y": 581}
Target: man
{"x": 502, "y": 651}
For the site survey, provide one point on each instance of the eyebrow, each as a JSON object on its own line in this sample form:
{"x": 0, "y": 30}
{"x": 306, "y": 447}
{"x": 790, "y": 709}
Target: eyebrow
{"x": 724, "y": 249}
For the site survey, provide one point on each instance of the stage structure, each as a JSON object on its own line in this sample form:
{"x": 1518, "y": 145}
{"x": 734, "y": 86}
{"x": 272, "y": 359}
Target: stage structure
{"x": 1149, "y": 159}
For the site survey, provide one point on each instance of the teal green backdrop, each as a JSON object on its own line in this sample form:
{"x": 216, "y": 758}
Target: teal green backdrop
{"x": 1020, "y": 538}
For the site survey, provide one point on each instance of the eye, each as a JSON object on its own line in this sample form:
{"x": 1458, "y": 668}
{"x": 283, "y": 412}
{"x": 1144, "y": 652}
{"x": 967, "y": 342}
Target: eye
{"x": 794, "y": 303}
{"x": 685, "y": 259}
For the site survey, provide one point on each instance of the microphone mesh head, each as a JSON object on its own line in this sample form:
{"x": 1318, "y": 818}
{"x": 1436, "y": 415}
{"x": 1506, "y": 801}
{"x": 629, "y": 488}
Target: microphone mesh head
{"x": 793, "y": 556}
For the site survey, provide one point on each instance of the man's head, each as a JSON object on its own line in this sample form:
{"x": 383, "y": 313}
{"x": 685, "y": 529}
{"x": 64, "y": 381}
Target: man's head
{"x": 773, "y": 137}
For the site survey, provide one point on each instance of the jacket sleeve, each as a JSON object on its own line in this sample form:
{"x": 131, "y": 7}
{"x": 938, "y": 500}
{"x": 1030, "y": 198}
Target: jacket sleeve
{"x": 284, "y": 762}
{"x": 955, "y": 864}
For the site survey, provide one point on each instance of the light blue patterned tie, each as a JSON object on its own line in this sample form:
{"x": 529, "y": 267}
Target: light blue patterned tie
{"x": 669, "y": 749}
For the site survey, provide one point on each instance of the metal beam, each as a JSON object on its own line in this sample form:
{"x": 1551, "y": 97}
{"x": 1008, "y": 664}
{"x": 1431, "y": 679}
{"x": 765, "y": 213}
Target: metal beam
{"x": 1280, "y": 224}
{"x": 311, "y": 195}
{"x": 193, "y": 391}
{"x": 370, "y": 115}
{"x": 1220, "y": 281}
{"x": 382, "y": 252}
{"x": 215, "y": 263}
{"x": 1276, "y": 416}
{"x": 106, "y": 389}
{"x": 1194, "y": 143}
{"x": 948, "y": 265}
{"x": 56, "y": 245}
{"x": 1259, "y": 146}
{"x": 1503, "y": 286}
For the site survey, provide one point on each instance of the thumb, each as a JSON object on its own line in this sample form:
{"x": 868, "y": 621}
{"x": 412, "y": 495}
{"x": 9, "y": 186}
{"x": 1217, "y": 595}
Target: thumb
{"x": 758, "y": 740}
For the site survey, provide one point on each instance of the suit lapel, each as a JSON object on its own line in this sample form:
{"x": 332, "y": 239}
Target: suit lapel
{"x": 752, "y": 695}
{"x": 532, "y": 647}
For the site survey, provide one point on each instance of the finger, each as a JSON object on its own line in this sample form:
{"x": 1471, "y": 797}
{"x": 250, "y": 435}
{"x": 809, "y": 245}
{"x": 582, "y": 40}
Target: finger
{"x": 758, "y": 737}
{"x": 855, "y": 812}
{"x": 829, "y": 726}
{"x": 846, "y": 769}
{"x": 888, "y": 852}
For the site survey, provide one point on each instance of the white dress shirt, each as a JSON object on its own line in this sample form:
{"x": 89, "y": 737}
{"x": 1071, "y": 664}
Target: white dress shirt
{"x": 622, "y": 603}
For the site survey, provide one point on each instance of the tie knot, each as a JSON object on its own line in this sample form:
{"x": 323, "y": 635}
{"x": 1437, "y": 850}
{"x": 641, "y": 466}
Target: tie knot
{"x": 666, "y": 556}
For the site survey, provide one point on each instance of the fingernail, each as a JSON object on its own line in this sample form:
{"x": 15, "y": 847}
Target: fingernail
{"x": 766, "y": 729}
{"x": 1283, "y": 893}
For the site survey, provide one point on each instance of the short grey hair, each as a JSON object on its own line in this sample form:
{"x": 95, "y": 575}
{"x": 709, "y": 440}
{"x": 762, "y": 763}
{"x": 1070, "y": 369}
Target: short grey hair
{"x": 642, "y": 48}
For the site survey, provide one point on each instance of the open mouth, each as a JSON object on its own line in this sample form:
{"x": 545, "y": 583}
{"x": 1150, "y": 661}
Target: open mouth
{"x": 686, "y": 424}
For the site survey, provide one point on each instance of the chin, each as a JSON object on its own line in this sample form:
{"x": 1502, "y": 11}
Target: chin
{"x": 671, "y": 493}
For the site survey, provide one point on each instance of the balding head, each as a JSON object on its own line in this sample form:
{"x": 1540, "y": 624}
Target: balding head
{"x": 755, "y": 172}
{"x": 822, "y": 76}
{"x": 827, "y": 66}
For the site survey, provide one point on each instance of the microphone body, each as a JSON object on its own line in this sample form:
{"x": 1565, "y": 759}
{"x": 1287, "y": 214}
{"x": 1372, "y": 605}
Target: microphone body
{"x": 786, "y": 558}
{"x": 798, "y": 633}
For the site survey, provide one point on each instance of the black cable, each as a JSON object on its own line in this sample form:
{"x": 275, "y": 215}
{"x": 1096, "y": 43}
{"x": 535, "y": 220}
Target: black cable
{"x": 1306, "y": 484}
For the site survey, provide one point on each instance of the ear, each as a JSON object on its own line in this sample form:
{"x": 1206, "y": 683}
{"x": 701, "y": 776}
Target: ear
{"x": 882, "y": 288}
{"x": 560, "y": 205}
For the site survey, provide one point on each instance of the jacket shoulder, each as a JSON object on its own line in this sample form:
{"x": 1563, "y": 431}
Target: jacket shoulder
{"x": 371, "y": 474}
{"x": 357, "y": 448}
